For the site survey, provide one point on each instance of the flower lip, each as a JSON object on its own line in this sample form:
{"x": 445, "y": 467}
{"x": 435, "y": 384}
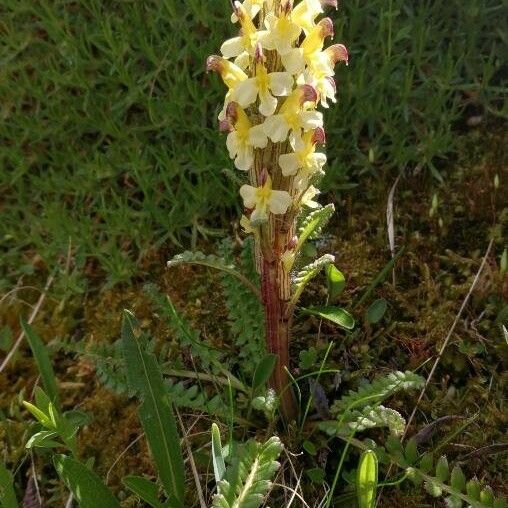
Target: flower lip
{"x": 319, "y": 136}
{"x": 214, "y": 63}
{"x": 338, "y": 53}
{"x": 309, "y": 94}
{"x": 326, "y": 26}
{"x": 286, "y": 6}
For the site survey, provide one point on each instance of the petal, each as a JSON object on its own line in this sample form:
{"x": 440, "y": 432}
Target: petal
{"x": 242, "y": 60}
{"x": 257, "y": 136}
{"x": 276, "y": 128}
{"x": 311, "y": 119}
{"x": 281, "y": 83}
{"x": 258, "y": 216}
{"x": 245, "y": 93}
{"x": 232, "y": 47}
{"x": 289, "y": 163}
{"x": 244, "y": 158}
{"x": 293, "y": 61}
{"x": 317, "y": 161}
{"x": 267, "y": 104}
{"x": 232, "y": 144}
{"x": 279, "y": 202}
{"x": 248, "y": 194}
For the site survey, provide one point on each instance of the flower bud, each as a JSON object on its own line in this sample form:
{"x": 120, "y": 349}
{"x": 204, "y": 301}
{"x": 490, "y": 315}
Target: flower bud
{"x": 232, "y": 112}
{"x": 263, "y": 177}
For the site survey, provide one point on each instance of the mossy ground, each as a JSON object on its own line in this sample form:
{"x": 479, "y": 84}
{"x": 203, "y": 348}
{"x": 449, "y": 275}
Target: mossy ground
{"x": 443, "y": 250}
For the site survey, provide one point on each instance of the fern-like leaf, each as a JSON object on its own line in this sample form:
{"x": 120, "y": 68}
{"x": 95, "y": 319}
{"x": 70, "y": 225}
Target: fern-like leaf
{"x": 249, "y": 477}
{"x": 306, "y": 274}
{"x": 367, "y": 418}
{"x": 244, "y": 309}
{"x": 212, "y": 261}
{"x": 313, "y": 224}
{"x": 377, "y": 391}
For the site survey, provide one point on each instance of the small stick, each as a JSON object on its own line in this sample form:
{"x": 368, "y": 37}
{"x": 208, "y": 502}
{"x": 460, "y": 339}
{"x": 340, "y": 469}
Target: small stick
{"x": 34, "y": 313}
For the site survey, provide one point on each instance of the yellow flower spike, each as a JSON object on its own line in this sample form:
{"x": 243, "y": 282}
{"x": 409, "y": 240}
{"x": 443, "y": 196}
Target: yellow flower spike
{"x": 247, "y": 40}
{"x": 282, "y": 30}
{"x": 304, "y": 160}
{"x": 297, "y": 58}
{"x": 293, "y": 117}
{"x": 263, "y": 200}
{"x": 243, "y": 137}
{"x": 263, "y": 85}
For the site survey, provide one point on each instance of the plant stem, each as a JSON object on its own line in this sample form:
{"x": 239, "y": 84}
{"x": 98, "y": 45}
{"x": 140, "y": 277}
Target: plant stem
{"x": 277, "y": 334}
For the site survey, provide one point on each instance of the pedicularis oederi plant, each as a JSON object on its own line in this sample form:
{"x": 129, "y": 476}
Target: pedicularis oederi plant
{"x": 278, "y": 73}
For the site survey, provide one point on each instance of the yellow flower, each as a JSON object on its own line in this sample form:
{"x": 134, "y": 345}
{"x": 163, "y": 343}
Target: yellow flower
{"x": 297, "y": 58}
{"x": 243, "y": 137}
{"x": 325, "y": 85}
{"x": 293, "y": 117}
{"x": 248, "y": 39}
{"x": 324, "y": 62}
{"x": 282, "y": 31}
{"x": 263, "y": 200}
{"x": 252, "y": 8}
{"x": 305, "y": 13}
{"x": 304, "y": 157}
{"x": 265, "y": 85}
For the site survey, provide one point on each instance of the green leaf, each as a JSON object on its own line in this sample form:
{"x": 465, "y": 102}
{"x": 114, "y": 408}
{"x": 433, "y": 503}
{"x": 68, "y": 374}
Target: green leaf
{"x": 307, "y": 273}
{"x": 367, "y": 479}
{"x": 442, "y": 469}
{"x": 313, "y": 224}
{"x": 376, "y": 311}
{"x": 43, "y": 418}
{"x": 264, "y": 370}
{"x": 411, "y": 452}
{"x": 458, "y": 480}
{"x": 86, "y": 487}
{"x": 316, "y": 475}
{"x": 473, "y": 489}
{"x": 43, "y": 362}
{"x": 308, "y": 358}
{"x": 336, "y": 281}
{"x": 7, "y": 493}
{"x": 337, "y": 315}
{"x": 43, "y": 439}
{"x": 155, "y": 414}
{"x": 219, "y": 466}
{"x": 145, "y": 489}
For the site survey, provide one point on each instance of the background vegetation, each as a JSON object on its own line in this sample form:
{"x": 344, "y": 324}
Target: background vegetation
{"x": 108, "y": 132}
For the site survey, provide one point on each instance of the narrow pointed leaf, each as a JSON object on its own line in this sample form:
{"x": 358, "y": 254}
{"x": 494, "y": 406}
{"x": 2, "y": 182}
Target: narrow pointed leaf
{"x": 86, "y": 487}
{"x": 219, "y": 466}
{"x": 336, "y": 315}
{"x": 264, "y": 370}
{"x": 145, "y": 489}
{"x": 376, "y": 311}
{"x": 43, "y": 362}
{"x": 7, "y": 493}
{"x": 155, "y": 413}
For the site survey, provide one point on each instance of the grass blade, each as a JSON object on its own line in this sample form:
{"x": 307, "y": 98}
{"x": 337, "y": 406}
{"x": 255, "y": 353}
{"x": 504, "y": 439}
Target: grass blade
{"x": 219, "y": 466}
{"x": 43, "y": 362}
{"x": 145, "y": 489}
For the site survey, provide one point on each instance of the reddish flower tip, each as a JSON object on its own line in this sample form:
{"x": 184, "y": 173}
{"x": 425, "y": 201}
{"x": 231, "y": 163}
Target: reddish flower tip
{"x": 326, "y": 25}
{"x": 214, "y": 63}
{"x": 319, "y": 136}
{"x": 259, "y": 55}
{"x": 338, "y": 53}
{"x": 330, "y": 3}
{"x": 309, "y": 93}
{"x": 293, "y": 242}
{"x": 225, "y": 125}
